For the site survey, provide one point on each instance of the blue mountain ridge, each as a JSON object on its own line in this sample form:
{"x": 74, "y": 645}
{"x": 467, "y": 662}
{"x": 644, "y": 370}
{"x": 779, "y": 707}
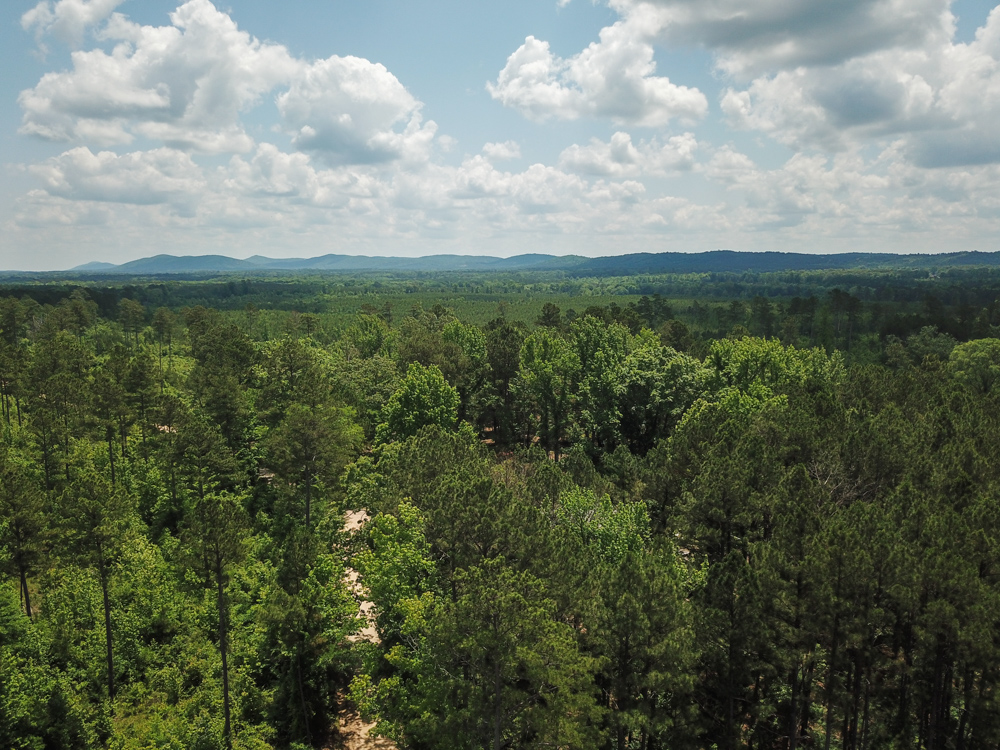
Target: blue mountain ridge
{"x": 633, "y": 263}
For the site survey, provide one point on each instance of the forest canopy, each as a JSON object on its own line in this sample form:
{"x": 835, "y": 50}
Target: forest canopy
{"x": 494, "y": 511}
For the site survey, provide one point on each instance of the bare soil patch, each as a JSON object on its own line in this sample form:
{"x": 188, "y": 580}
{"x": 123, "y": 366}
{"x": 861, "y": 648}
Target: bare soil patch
{"x": 352, "y": 732}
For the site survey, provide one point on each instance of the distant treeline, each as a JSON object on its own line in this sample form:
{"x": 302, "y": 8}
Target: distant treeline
{"x": 954, "y": 286}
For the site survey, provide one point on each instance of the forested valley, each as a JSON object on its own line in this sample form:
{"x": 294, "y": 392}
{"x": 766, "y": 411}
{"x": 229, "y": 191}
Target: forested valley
{"x": 703, "y": 511}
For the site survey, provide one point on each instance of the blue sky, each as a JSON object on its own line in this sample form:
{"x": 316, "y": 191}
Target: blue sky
{"x": 387, "y": 128}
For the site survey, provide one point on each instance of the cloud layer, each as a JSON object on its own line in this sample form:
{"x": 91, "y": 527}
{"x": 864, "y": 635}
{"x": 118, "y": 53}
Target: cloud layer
{"x": 885, "y": 125}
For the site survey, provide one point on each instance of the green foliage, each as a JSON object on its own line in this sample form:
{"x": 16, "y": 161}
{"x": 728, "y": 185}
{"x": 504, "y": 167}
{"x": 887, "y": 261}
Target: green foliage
{"x": 423, "y": 398}
{"x": 549, "y": 370}
{"x": 613, "y": 532}
{"x": 587, "y": 534}
{"x": 976, "y": 364}
{"x": 490, "y": 667}
{"x": 397, "y": 567}
{"x": 743, "y": 363}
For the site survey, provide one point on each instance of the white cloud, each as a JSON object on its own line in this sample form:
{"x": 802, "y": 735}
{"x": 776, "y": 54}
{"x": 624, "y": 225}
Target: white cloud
{"x": 142, "y": 178}
{"x": 751, "y": 37}
{"x": 819, "y": 199}
{"x": 67, "y": 20}
{"x": 293, "y": 192}
{"x": 272, "y": 173}
{"x": 184, "y": 84}
{"x": 827, "y": 76}
{"x": 612, "y": 78}
{"x": 942, "y": 100}
{"x": 502, "y": 151}
{"x": 354, "y": 111}
{"x": 187, "y": 85}
{"x": 279, "y": 199}
{"x": 866, "y": 116}
{"x": 621, "y": 158}
{"x": 41, "y": 210}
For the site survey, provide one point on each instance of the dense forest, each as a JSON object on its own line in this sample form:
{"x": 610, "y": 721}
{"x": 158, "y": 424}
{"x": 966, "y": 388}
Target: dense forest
{"x": 691, "y": 511}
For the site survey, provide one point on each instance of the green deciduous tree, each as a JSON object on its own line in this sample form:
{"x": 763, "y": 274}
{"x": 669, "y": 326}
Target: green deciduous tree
{"x": 423, "y": 398}
{"x": 549, "y": 369}
{"x": 976, "y": 364}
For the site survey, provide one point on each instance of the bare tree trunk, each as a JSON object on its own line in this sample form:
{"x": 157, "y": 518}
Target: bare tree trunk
{"x": 302, "y": 697}
{"x": 793, "y": 719}
{"x": 309, "y": 481}
{"x": 830, "y": 677}
{"x": 497, "y": 708}
{"x": 102, "y": 571}
{"x": 223, "y": 648}
{"x": 111, "y": 454}
{"x": 24, "y": 590}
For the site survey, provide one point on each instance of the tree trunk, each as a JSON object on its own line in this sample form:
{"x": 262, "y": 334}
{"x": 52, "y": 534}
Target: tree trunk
{"x": 856, "y": 705}
{"x": 793, "y": 718}
{"x": 103, "y": 572}
{"x": 966, "y": 700}
{"x": 309, "y": 481}
{"x": 830, "y": 676}
{"x": 302, "y": 697}
{"x": 805, "y": 715}
{"x": 497, "y": 708}
{"x": 24, "y": 589}
{"x": 111, "y": 454}
{"x": 864, "y": 719}
{"x": 223, "y": 647}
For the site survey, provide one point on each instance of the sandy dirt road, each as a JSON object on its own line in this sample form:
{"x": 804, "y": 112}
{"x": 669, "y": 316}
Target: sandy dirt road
{"x": 353, "y": 733}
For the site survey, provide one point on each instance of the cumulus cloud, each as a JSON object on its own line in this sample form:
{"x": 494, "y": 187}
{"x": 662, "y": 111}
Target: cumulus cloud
{"x": 354, "y": 111}
{"x": 615, "y": 76}
{"x": 621, "y": 158}
{"x": 297, "y": 191}
{"x": 826, "y": 76}
{"x": 751, "y": 37}
{"x": 184, "y": 84}
{"x": 502, "y": 151}
{"x": 275, "y": 174}
{"x": 847, "y": 195}
{"x": 612, "y": 78}
{"x": 811, "y": 201}
{"x": 67, "y": 20}
{"x": 142, "y": 178}
{"x": 188, "y": 84}
{"x": 41, "y": 210}
{"x": 942, "y": 100}
{"x": 831, "y": 109}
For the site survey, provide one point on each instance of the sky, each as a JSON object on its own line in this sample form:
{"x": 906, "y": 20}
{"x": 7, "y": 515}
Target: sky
{"x": 130, "y": 128}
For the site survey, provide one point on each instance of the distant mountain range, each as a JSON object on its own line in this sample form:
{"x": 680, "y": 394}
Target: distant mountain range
{"x": 619, "y": 265}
